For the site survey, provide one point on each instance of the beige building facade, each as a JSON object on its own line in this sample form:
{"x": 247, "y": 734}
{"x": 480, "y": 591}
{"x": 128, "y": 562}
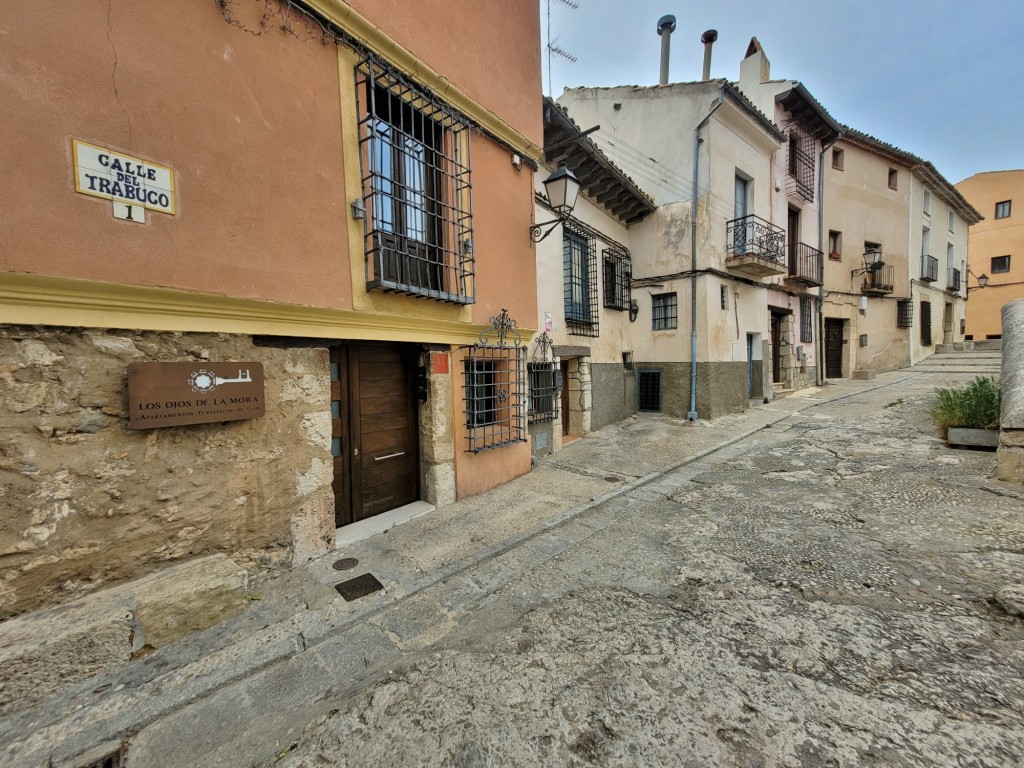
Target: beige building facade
{"x": 997, "y": 248}
{"x": 897, "y": 248}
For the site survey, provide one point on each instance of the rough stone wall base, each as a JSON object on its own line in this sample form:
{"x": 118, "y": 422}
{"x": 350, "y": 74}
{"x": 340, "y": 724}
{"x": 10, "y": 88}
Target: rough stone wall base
{"x": 613, "y": 394}
{"x": 47, "y": 651}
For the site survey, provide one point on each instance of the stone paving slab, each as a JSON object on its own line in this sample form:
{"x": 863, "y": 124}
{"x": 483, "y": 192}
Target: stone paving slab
{"x": 487, "y": 553}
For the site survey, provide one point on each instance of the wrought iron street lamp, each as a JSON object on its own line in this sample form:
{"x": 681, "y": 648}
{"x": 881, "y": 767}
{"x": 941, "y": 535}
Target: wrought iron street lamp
{"x": 982, "y": 281}
{"x": 562, "y": 188}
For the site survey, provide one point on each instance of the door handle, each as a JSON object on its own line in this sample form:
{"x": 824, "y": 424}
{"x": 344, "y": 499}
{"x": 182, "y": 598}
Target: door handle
{"x": 389, "y": 456}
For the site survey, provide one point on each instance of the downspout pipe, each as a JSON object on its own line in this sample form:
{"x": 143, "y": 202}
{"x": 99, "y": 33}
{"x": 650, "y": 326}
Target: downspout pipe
{"x": 820, "y": 377}
{"x": 692, "y": 415}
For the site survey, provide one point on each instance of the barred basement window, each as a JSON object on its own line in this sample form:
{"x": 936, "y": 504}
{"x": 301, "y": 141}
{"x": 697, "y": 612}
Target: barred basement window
{"x": 494, "y": 397}
{"x": 801, "y": 163}
{"x": 904, "y": 313}
{"x": 415, "y": 158}
{"x": 617, "y": 275}
{"x": 806, "y": 329}
{"x": 664, "y": 311}
{"x": 543, "y": 391}
{"x": 579, "y": 252}
{"x": 926, "y": 323}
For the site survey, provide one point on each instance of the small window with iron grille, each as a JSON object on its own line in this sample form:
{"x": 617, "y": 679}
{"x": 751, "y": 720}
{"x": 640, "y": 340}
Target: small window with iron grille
{"x": 904, "y": 313}
{"x": 543, "y": 391}
{"x": 801, "y": 163}
{"x": 617, "y": 274}
{"x": 579, "y": 252}
{"x": 494, "y": 397}
{"x": 664, "y": 311}
{"x": 1000, "y": 264}
{"x": 926, "y": 323}
{"x": 806, "y": 328}
{"x": 414, "y": 154}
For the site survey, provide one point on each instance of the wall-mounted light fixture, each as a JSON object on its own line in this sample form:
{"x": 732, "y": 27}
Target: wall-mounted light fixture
{"x": 982, "y": 281}
{"x": 872, "y": 263}
{"x": 562, "y": 188}
{"x": 634, "y": 310}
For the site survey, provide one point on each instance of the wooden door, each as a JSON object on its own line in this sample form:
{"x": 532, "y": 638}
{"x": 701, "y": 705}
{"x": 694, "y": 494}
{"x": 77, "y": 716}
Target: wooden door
{"x": 776, "y": 348}
{"x": 564, "y": 367}
{"x": 376, "y": 424}
{"x": 833, "y": 348}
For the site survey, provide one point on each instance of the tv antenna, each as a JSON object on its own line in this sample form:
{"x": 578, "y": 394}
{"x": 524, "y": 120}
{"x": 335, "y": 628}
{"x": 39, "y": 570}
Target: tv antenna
{"x": 553, "y": 48}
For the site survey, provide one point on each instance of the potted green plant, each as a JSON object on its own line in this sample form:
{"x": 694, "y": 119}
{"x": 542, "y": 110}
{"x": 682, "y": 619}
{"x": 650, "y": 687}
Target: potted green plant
{"x": 968, "y": 415}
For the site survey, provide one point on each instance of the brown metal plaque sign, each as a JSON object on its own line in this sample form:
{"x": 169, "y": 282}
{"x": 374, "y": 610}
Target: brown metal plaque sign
{"x": 172, "y": 394}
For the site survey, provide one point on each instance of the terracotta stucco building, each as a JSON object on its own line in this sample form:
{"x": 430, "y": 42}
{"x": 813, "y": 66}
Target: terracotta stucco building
{"x": 331, "y": 192}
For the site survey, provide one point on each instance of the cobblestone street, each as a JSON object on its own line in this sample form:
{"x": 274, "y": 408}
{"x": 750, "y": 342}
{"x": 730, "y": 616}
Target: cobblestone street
{"x": 819, "y": 593}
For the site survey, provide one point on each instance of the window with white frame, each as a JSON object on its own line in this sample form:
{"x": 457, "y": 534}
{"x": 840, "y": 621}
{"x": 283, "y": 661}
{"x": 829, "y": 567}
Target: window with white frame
{"x": 1000, "y": 264}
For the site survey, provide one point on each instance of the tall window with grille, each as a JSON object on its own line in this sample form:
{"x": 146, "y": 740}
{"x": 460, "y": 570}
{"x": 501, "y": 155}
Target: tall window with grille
{"x": 415, "y": 164}
{"x": 806, "y": 324}
{"x": 579, "y": 260}
{"x": 926, "y": 323}
{"x": 617, "y": 275}
{"x": 543, "y": 391}
{"x": 495, "y": 397}
{"x": 800, "y": 163}
{"x": 664, "y": 312}
{"x": 904, "y": 313}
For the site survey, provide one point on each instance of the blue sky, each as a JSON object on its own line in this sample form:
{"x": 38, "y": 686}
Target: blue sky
{"x": 941, "y": 79}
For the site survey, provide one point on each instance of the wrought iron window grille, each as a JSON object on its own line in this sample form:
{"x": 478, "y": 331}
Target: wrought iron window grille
{"x": 926, "y": 323}
{"x": 618, "y": 273}
{"x": 904, "y": 313}
{"x": 417, "y": 193}
{"x": 579, "y": 260}
{"x": 806, "y": 329}
{"x": 953, "y": 279}
{"x": 494, "y": 387}
{"x": 545, "y": 383}
{"x": 800, "y": 179}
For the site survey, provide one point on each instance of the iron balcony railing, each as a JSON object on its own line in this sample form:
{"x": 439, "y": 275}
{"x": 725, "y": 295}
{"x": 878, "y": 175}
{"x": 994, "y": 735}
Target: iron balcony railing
{"x": 753, "y": 236}
{"x": 929, "y": 269}
{"x": 806, "y": 264}
{"x": 953, "y": 282}
{"x": 879, "y": 278}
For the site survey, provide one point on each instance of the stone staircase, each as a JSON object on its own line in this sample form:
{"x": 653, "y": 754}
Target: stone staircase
{"x": 981, "y": 358}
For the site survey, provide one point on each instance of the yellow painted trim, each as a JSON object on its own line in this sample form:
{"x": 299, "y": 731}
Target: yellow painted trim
{"x": 341, "y": 14}
{"x": 27, "y": 299}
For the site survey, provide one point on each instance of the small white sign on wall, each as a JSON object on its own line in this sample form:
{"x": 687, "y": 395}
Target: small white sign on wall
{"x": 131, "y": 183}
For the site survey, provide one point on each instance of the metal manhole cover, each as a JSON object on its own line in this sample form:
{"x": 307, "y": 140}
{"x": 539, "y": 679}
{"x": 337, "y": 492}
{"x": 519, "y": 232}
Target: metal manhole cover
{"x": 360, "y": 586}
{"x": 345, "y": 564}
{"x": 612, "y": 479}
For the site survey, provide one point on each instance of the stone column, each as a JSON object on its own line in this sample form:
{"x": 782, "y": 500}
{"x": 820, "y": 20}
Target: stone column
{"x": 1010, "y": 455}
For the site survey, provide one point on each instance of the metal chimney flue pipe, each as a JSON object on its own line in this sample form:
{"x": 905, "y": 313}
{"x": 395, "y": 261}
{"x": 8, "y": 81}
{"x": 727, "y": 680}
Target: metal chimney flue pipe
{"x": 666, "y": 26}
{"x": 708, "y": 38}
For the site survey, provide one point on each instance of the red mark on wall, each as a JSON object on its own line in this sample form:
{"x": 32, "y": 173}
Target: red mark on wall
{"x": 439, "y": 362}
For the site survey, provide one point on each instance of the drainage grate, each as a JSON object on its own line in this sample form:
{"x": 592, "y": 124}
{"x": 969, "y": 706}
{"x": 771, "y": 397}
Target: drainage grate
{"x": 345, "y": 564}
{"x": 360, "y": 586}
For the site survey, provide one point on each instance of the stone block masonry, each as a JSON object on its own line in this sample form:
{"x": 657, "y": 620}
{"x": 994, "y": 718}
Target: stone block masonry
{"x": 90, "y": 503}
{"x": 1010, "y": 454}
